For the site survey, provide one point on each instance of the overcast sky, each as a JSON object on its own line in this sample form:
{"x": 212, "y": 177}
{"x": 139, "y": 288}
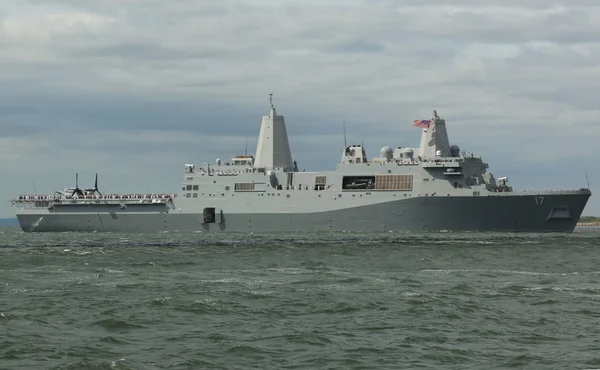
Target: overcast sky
{"x": 134, "y": 89}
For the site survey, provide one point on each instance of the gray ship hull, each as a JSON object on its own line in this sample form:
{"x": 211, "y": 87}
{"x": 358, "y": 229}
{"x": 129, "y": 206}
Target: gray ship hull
{"x": 510, "y": 212}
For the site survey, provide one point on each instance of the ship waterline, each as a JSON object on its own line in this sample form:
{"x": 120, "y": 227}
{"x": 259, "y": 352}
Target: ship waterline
{"x": 436, "y": 187}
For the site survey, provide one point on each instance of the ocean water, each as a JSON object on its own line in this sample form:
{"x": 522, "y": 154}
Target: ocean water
{"x": 300, "y": 301}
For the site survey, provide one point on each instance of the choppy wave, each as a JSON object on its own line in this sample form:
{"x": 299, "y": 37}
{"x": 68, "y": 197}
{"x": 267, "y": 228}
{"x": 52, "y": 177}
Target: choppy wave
{"x": 329, "y": 300}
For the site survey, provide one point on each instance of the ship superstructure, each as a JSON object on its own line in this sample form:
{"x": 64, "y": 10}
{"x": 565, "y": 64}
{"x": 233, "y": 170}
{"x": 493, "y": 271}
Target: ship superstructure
{"x": 434, "y": 187}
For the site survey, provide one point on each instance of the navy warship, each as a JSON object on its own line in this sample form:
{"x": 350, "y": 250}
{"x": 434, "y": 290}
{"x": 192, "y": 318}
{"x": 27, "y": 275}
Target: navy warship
{"x": 435, "y": 187}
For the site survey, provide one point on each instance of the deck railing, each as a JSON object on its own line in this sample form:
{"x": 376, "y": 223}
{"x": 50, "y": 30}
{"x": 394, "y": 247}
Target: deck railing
{"x": 80, "y": 198}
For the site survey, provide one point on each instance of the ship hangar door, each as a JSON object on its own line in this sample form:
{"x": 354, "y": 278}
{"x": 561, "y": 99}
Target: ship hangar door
{"x": 212, "y": 215}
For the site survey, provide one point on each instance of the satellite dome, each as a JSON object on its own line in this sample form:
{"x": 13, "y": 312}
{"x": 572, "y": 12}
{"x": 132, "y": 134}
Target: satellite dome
{"x": 407, "y": 153}
{"x": 218, "y": 162}
{"x": 386, "y": 152}
{"x": 454, "y": 150}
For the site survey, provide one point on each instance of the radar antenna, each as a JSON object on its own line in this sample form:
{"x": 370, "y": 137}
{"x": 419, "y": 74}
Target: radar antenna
{"x": 271, "y": 100}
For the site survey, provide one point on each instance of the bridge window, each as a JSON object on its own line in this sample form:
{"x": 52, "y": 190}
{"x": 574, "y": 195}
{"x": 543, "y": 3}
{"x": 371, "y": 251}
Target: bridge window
{"x": 195, "y": 187}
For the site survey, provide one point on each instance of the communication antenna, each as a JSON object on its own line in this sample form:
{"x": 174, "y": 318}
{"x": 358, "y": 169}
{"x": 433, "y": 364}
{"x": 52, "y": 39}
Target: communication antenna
{"x": 34, "y": 189}
{"x": 271, "y": 100}
{"x": 344, "y": 123}
{"x": 246, "y": 151}
{"x": 588, "y": 180}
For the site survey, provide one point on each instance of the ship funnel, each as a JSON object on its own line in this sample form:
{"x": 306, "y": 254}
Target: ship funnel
{"x": 273, "y": 148}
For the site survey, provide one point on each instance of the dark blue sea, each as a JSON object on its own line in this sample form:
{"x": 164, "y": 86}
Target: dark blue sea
{"x": 300, "y": 301}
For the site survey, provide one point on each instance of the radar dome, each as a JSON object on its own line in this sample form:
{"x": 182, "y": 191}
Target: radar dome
{"x": 218, "y": 162}
{"x": 454, "y": 150}
{"x": 407, "y": 153}
{"x": 386, "y": 152}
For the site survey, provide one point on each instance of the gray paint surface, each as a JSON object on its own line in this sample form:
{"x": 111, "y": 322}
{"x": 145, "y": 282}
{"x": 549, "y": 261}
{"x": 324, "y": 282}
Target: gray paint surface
{"x": 437, "y": 188}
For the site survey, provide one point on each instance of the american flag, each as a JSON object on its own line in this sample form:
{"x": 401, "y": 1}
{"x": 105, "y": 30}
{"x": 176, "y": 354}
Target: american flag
{"x": 424, "y": 123}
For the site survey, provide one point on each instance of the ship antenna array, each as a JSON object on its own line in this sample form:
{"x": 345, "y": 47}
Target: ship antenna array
{"x": 271, "y": 100}
{"x": 588, "y": 180}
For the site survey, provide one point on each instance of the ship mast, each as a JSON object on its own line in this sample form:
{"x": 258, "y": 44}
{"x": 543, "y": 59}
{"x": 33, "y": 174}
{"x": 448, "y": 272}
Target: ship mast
{"x": 273, "y": 147}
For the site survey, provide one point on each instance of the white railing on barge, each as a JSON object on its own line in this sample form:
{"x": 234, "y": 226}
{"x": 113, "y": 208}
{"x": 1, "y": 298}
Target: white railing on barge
{"x": 46, "y": 200}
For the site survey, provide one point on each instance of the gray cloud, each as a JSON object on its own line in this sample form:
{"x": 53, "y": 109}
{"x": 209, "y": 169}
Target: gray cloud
{"x": 358, "y": 46}
{"x": 118, "y": 85}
